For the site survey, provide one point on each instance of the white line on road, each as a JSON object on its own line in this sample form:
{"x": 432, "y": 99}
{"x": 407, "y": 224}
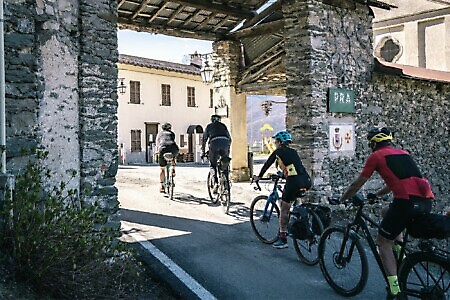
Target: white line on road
{"x": 184, "y": 277}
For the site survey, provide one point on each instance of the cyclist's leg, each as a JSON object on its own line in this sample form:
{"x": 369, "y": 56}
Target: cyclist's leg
{"x": 286, "y": 200}
{"x": 162, "y": 163}
{"x": 174, "y": 151}
{"x": 213, "y": 156}
{"x": 394, "y": 222}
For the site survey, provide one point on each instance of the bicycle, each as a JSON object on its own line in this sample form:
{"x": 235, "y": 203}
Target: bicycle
{"x": 169, "y": 182}
{"x": 424, "y": 274}
{"x": 224, "y": 185}
{"x": 264, "y": 219}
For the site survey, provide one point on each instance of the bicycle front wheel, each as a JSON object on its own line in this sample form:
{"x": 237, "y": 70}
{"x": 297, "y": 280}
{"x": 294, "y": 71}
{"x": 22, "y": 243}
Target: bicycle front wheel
{"x": 210, "y": 184}
{"x": 346, "y": 273}
{"x": 307, "y": 250}
{"x": 265, "y": 222}
{"x": 424, "y": 275}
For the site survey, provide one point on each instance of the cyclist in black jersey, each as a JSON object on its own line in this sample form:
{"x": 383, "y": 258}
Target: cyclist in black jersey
{"x": 165, "y": 143}
{"x": 219, "y": 144}
{"x": 296, "y": 176}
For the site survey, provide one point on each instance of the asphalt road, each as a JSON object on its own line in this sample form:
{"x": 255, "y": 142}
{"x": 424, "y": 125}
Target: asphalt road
{"x": 206, "y": 254}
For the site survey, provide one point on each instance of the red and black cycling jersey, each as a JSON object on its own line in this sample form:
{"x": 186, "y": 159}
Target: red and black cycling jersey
{"x": 399, "y": 171}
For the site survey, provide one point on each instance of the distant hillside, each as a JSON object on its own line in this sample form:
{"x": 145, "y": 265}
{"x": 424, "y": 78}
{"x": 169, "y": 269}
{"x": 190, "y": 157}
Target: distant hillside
{"x": 256, "y": 117}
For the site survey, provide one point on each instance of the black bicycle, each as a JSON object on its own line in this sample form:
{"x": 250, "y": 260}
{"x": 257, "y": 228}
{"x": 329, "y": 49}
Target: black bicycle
{"x": 222, "y": 191}
{"x": 424, "y": 274}
{"x": 264, "y": 219}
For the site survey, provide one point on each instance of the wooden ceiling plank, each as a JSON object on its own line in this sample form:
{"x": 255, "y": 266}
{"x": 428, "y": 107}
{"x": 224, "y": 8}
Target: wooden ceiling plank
{"x": 261, "y": 71}
{"x": 218, "y": 8}
{"x": 125, "y": 23}
{"x": 121, "y": 2}
{"x": 140, "y": 8}
{"x": 194, "y": 15}
{"x": 205, "y": 21}
{"x": 157, "y": 13}
{"x": 265, "y": 13}
{"x": 221, "y": 23}
{"x": 175, "y": 14}
{"x": 260, "y": 29}
{"x": 264, "y": 88}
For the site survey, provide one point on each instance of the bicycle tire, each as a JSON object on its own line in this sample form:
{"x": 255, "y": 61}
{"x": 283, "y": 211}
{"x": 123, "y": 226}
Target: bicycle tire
{"x": 225, "y": 194}
{"x": 347, "y": 280}
{"x": 210, "y": 184}
{"x": 265, "y": 230}
{"x": 425, "y": 275}
{"x": 307, "y": 250}
{"x": 171, "y": 185}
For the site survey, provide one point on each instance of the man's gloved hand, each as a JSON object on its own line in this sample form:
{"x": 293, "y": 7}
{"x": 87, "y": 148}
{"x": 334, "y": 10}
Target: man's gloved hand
{"x": 371, "y": 196}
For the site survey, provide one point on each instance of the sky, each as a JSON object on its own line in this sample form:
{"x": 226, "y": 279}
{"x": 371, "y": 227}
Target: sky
{"x": 160, "y": 47}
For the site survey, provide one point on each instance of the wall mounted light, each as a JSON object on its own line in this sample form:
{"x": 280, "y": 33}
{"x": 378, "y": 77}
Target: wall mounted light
{"x": 121, "y": 87}
{"x": 204, "y": 62}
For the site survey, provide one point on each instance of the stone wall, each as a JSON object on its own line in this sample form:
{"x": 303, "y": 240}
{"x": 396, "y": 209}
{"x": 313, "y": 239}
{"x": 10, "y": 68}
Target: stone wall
{"x": 60, "y": 69}
{"x": 329, "y": 46}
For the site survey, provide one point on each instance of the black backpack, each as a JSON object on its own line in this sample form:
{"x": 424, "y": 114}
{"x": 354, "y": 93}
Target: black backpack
{"x": 299, "y": 226}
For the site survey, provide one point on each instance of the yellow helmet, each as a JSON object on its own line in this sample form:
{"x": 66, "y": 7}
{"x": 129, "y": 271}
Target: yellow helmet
{"x": 378, "y": 135}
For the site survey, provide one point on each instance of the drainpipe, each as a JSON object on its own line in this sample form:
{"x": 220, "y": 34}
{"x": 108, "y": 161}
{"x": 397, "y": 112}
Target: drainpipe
{"x": 2, "y": 94}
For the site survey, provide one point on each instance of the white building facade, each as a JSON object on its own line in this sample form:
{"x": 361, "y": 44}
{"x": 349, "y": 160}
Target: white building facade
{"x": 158, "y": 92}
{"x": 417, "y": 33}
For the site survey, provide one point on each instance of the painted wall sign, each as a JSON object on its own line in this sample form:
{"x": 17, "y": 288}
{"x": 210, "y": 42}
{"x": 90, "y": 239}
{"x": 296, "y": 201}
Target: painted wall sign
{"x": 341, "y": 137}
{"x": 341, "y": 100}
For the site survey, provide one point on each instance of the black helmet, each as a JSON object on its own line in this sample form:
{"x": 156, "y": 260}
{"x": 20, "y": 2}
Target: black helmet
{"x": 166, "y": 126}
{"x": 378, "y": 135}
{"x": 215, "y": 118}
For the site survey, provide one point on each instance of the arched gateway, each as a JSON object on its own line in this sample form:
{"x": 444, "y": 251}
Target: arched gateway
{"x": 61, "y": 80}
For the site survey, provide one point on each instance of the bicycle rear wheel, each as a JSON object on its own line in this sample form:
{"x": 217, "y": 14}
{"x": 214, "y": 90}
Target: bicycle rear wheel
{"x": 346, "y": 275}
{"x": 210, "y": 184}
{"x": 425, "y": 275}
{"x": 307, "y": 250}
{"x": 265, "y": 224}
{"x": 225, "y": 193}
{"x": 171, "y": 185}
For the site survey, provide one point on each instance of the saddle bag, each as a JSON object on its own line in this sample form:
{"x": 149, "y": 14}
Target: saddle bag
{"x": 299, "y": 227}
{"x": 430, "y": 226}
{"x": 324, "y": 214}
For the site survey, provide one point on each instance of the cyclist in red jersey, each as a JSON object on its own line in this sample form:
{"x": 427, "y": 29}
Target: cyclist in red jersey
{"x": 412, "y": 196}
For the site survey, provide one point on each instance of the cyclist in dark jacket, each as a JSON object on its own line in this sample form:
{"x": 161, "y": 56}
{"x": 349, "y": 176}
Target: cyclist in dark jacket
{"x": 165, "y": 143}
{"x": 219, "y": 145}
{"x": 412, "y": 196}
{"x": 296, "y": 176}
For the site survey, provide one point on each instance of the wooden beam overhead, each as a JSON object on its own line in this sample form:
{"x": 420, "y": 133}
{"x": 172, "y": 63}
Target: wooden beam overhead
{"x": 140, "y": 8}
{"x": 260, "y": 29}
{"x": 217, "y": 8}
{"x": 262, "y": 15}
{"x": 155, "y": 15}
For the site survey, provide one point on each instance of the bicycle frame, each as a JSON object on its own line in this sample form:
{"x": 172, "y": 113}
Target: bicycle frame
{"x": 360, "y": 224}
{"x": 273, "y": 196}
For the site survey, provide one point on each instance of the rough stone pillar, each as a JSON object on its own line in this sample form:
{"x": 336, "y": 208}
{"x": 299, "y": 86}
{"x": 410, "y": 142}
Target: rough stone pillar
{"x": 326, "y": 46}
{"x": 232, "y": 105}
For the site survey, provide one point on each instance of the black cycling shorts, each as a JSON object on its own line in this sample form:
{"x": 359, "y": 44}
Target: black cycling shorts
{"x": 167, "y": 149}
{"x": 291, "y": 189}
{"x": 400, "y": 213}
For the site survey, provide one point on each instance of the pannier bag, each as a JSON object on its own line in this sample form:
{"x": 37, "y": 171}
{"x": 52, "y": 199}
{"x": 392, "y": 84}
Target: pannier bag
{"x": 430, "y": 226}
{"x": 299, "y": 227}
{"x": 324, "y": 214}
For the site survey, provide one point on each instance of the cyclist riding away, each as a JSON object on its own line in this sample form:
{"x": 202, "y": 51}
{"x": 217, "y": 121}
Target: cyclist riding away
{"x": 165, "y": 143}
{"x": 296, "y": 178}
{"x": 412, "y": 196}
{"x": 219, "y": 144}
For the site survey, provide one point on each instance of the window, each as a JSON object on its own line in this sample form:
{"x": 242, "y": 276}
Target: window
{"x": 136, "y": 140}
{"x": 190, "y": 96}
{"x": 135, "y": 92}
{"x": 389, "y": 49}
{"x": 181, "y": 140}
{"x": 211, "y": 98}
{"x": 165, "y": 95}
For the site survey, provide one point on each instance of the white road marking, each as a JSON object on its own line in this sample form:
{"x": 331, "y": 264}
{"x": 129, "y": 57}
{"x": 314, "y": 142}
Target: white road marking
{"x": 184, "y": 277}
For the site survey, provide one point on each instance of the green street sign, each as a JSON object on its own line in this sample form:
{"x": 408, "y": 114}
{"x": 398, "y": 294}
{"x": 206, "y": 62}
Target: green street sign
{"x": 341, "y": 100}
